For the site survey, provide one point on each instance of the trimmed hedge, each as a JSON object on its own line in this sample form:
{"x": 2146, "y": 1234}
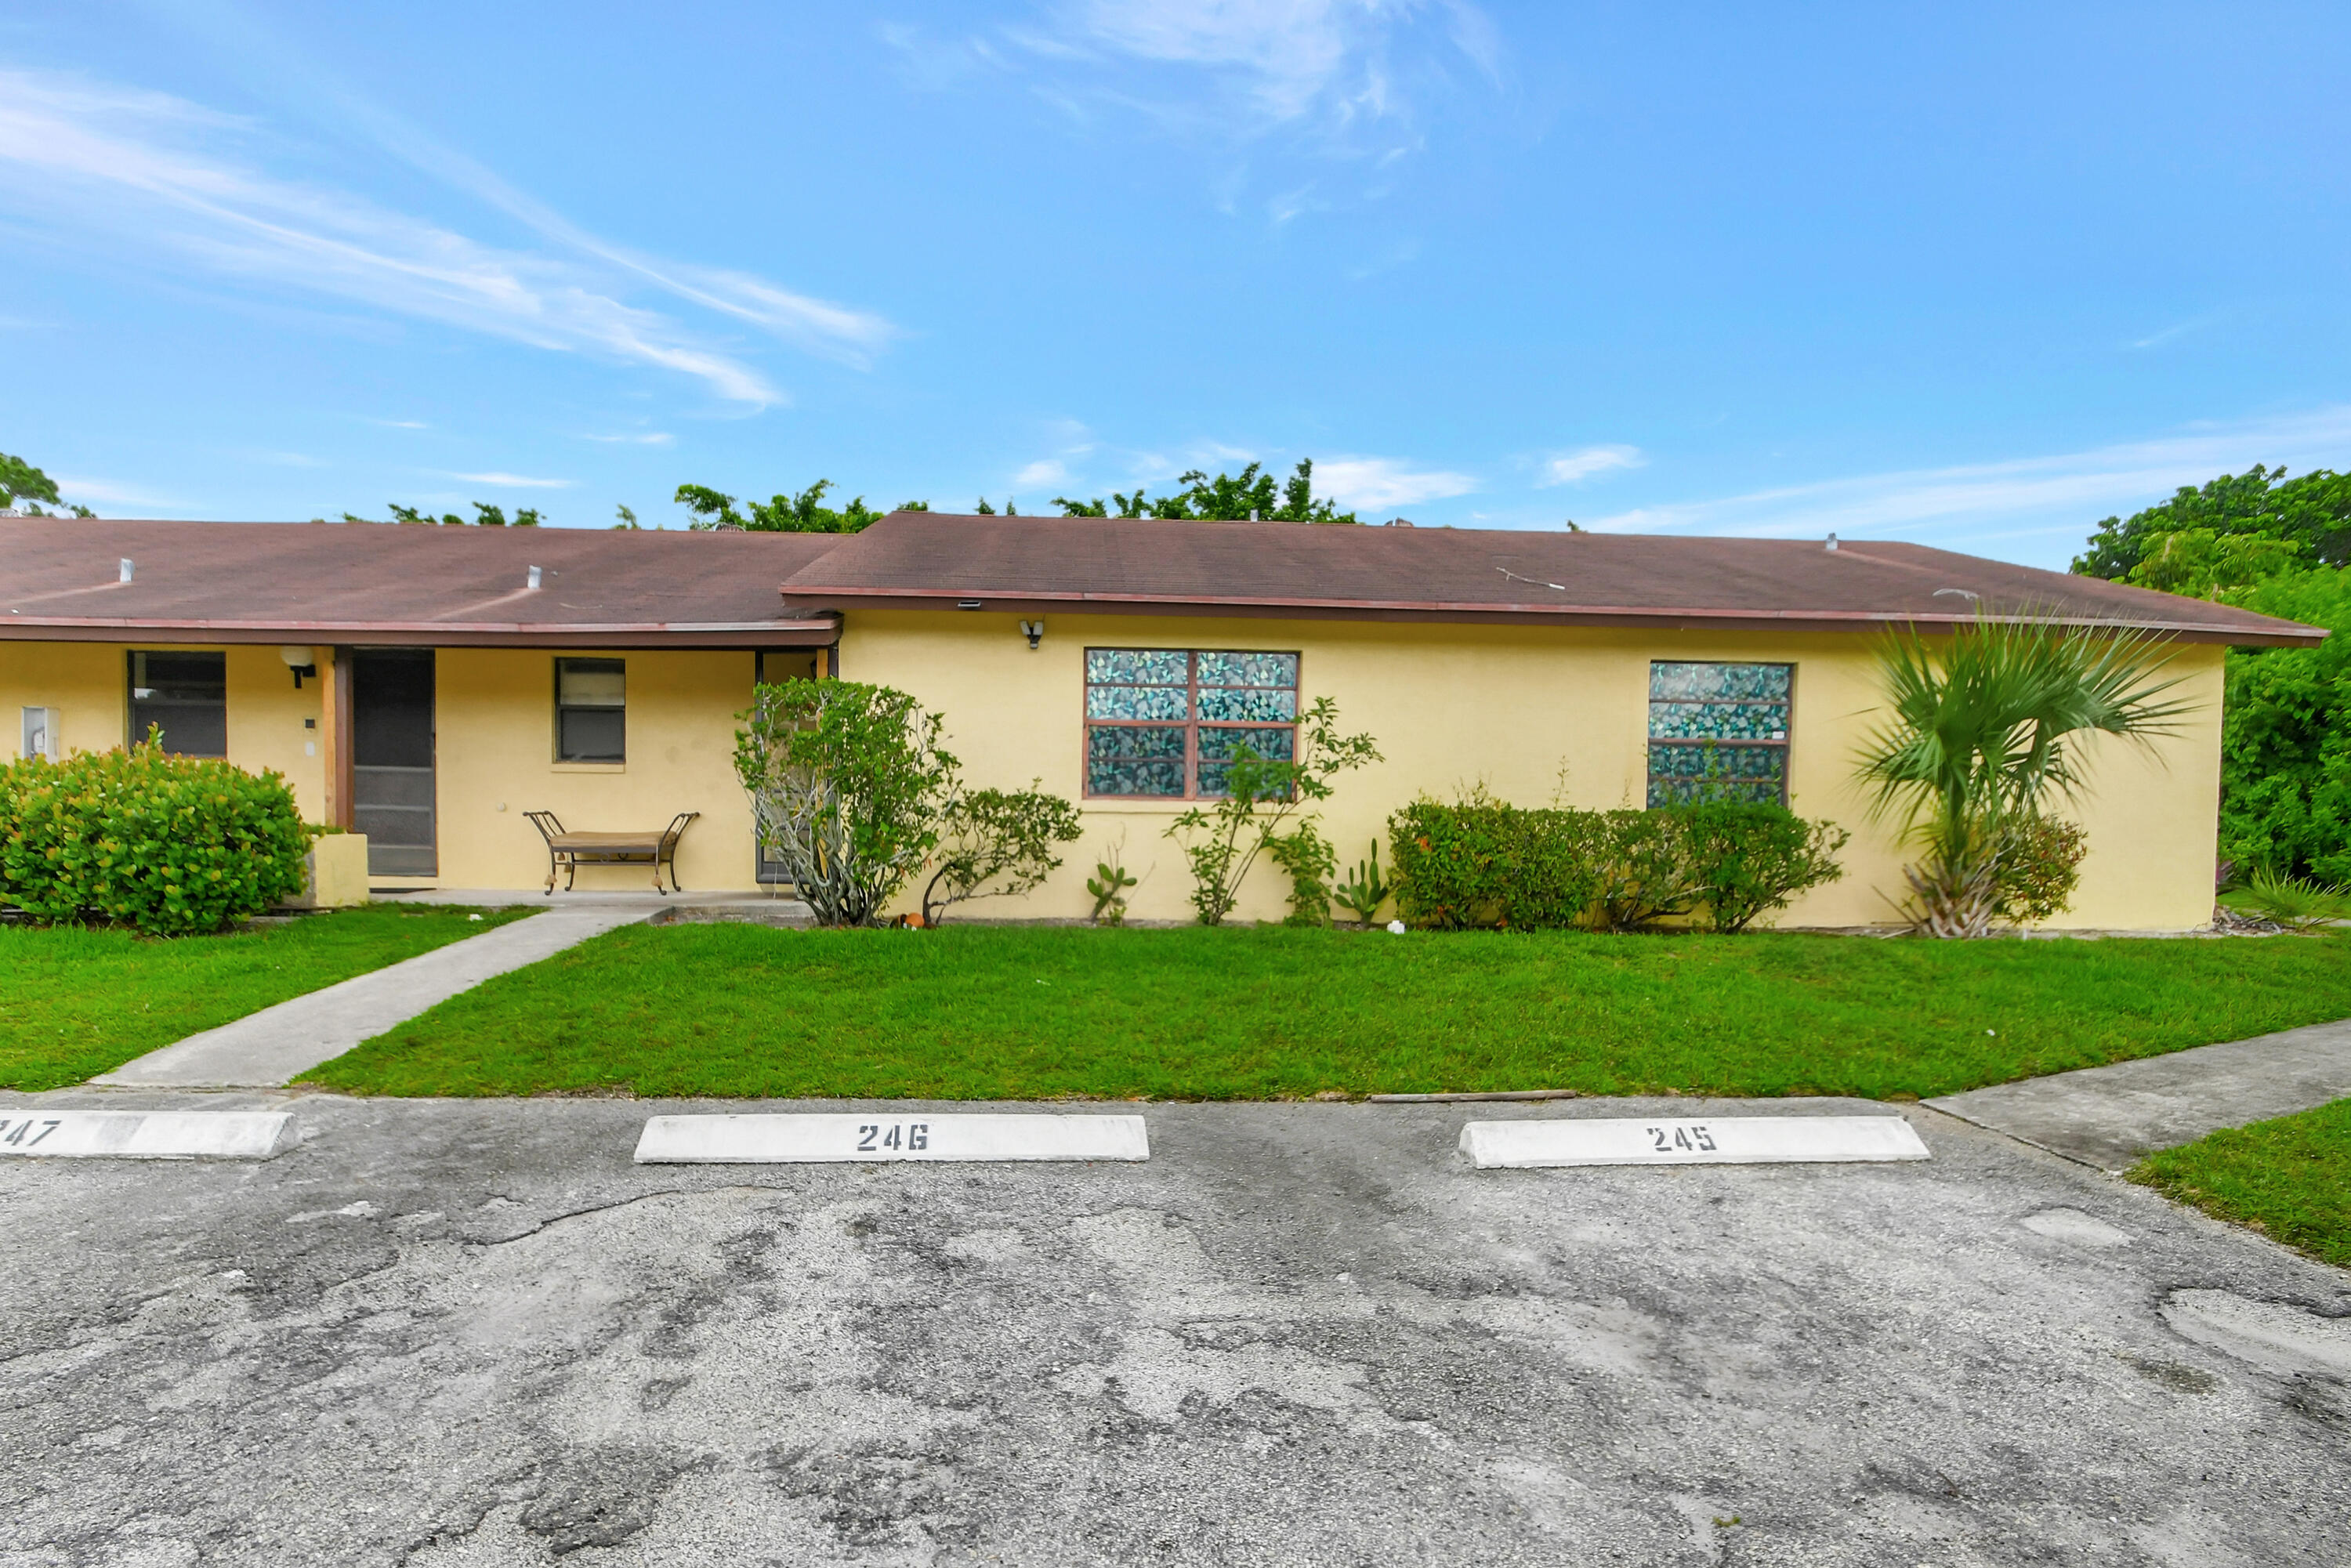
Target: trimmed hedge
{"x": 172, "y": 846}
{"x": 1483, "y": 864}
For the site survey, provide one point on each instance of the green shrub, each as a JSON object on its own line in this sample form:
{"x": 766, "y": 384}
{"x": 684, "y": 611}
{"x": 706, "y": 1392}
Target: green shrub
{"x": 1647, "y": 871}
{"x": 997, "y": 843}
{"x": 1748, "y": 859}
{"x": 172, "y": 846}
{"x": 1309, "y": 861}
{"x": 2040, "y": 865}
{"x": 1484, "y": 863}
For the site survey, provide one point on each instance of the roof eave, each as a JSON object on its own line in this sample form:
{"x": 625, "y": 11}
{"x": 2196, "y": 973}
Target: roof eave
{"x": 813, "y": 631}
{"x": 2290, "y": 635}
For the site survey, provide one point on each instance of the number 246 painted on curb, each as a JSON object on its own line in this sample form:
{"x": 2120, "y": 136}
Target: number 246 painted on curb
{"x": 917, "y": 1136}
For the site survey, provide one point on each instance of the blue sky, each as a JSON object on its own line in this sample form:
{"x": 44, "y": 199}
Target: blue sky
{"x": 1976, "y": 275}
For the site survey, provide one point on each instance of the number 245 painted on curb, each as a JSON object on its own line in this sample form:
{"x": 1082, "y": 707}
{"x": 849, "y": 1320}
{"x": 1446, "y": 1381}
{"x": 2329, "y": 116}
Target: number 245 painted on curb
{"x": 1689, "y": 1138}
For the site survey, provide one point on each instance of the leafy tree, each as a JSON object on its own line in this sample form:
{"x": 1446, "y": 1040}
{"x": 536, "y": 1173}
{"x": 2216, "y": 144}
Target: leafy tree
{"x": 2278, "y": 546}
{"x": 2285, "y": 737}
{"x": 1976, "y": 745}
{"x": 628, "y": 522}
{"x": 1230, "y": 497}
{"x": 485, "y": 516}
{"x": 803, "y": 514}
{"x": 2313, "y": 512}
{"x": 997, "y": 843}
{"x": 24, "y": 487}
{"x": 1262, "y": 793}
{"x": 848, "y": 783}
{"x": 2203, "y": 564}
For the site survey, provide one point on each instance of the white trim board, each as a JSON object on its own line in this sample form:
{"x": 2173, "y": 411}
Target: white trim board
{"x": 146, "y": 1134}
{"x": 886, "y": 1136}
{"x": 1690, "y": 1141}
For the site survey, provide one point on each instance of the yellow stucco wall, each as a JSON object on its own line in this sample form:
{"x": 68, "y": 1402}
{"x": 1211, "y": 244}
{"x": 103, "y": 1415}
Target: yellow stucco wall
{"x": 494, "y": 745}
{"x": 1536, "y": 716}
{"x": 88, "y": 683}
{"x": 496, "y": 748}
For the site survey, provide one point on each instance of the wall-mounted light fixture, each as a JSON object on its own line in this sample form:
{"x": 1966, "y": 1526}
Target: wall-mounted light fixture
{"x": 1032, "y": 630}
{"x": 301, "y": 661}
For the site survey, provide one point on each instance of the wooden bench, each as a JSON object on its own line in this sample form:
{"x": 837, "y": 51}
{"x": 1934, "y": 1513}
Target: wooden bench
{"x": 566, "y": 852}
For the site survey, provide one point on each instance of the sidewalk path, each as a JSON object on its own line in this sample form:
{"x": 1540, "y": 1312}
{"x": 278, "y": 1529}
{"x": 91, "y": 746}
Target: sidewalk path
{"x": 278, "y": 1044}
{"x": 2109, "y": 1116}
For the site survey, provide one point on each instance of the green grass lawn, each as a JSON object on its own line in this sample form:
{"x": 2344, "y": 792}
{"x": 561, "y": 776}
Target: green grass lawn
{"x": 75, "y": 1002}
{"x": 2290, "y": 1178}
{"x": 977, "y": 1012}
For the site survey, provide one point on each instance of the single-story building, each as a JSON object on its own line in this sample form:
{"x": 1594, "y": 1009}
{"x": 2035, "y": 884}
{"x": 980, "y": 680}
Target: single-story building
{"x": 429, "y": 686}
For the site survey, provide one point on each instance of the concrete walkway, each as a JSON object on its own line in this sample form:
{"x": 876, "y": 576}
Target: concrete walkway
{"x": 278, "y": 1044}
{"x": 2110, "y": 1117}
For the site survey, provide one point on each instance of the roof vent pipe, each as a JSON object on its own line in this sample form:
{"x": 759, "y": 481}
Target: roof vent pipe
{"x": 1831, "y": 544}
{"x": 124, "y": 569}
{"x": 534, "y": 577}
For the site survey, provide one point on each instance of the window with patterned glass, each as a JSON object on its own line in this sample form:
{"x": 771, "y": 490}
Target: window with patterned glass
{"x": 1168, "y": 722}
{"x": 1719, "y": 732}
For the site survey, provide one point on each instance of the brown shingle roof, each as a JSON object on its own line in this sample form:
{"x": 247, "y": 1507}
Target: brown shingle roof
{"x": 385, "y": 583}
{"x": 930, "y": 559}
{"x": 395, "y": 584}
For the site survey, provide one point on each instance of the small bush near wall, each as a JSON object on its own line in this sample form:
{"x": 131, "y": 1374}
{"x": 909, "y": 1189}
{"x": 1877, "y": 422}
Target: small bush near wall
{"x": 172, "y": 846}
{"x": 1484, "y": 863}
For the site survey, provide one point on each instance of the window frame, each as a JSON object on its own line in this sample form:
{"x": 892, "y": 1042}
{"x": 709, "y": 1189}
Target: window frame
{"x": 136, "y": 733}
{"x": 1190, "y": 725}
{"x": 562, "y": 707}
{"x": 1785, "y": 746}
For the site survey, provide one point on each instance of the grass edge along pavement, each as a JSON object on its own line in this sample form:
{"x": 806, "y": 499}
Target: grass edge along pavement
{"x": 1045, "y": 1012}
{"x": 2289, "y": 1178}
{"x": 76, "y": 1001}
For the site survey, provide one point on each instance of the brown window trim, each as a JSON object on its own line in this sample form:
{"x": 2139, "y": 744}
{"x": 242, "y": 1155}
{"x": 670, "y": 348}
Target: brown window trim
{"x": 1190, "y": 727}
{"x": 1785, "y": 748}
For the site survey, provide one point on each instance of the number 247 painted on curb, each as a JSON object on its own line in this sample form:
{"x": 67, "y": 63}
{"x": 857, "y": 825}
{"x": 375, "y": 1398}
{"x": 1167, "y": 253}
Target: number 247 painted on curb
{"x": 25, "y": 1126}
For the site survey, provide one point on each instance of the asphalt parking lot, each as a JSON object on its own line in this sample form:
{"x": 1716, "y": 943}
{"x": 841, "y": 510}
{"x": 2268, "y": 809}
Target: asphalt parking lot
{"x": 473, "y": 1332}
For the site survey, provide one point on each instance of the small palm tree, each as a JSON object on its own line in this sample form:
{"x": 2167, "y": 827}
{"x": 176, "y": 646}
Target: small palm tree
{"x": 1976, "y": 745}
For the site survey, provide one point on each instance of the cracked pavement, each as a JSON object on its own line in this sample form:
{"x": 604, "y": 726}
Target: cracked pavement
{"x": 445, "y": 1333}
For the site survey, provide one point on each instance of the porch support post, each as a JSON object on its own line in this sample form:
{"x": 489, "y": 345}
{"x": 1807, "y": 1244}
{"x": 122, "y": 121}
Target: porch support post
{"x": 335, "y": 732}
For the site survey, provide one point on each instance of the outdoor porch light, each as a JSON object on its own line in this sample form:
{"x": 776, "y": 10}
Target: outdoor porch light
{"x": 301, "y": 661}
{"x": 1032, "y": 630}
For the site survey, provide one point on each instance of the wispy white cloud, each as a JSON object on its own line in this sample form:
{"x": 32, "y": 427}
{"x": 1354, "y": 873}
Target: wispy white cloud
{"x": 1574, "y": 468}
{"x": 106, "y": 492}
{"x": 1044, "y": 471}
{"x": 649, "y": 438}
{"x": 514, "y": 481}
{"x": 1243, "y": 68}
{"x": 114, "y": 164}
{"x": 2031, "y": 498}
{"x": 400, "y": 423}
{"x": 1377, "y": 482}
